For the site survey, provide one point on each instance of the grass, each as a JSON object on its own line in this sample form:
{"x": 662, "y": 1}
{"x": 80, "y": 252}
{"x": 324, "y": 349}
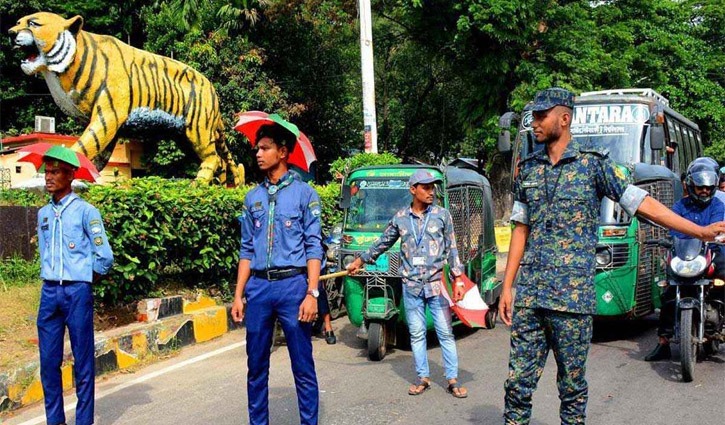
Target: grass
{"x": 18, "y": 334}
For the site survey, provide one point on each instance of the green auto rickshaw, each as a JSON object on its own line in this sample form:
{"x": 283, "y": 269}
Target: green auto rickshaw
{"x": 370, "y": 198}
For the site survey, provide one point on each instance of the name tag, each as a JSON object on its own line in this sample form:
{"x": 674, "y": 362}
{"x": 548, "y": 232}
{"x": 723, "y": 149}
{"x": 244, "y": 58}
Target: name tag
{"x": 419, "y": 261}
{"x": 529, "y": 183}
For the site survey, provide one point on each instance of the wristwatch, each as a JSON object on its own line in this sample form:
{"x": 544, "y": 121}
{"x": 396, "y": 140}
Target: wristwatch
{"x": 314, "y": 292}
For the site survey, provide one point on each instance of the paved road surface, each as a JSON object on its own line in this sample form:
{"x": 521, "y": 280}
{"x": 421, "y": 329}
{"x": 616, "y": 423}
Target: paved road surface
{"x": 211, "y": 389}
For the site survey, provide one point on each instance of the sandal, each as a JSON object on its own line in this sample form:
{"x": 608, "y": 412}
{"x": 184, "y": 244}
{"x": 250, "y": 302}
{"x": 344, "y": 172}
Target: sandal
{"x": 456, "y": 390}
{"x": 419, "y": 387}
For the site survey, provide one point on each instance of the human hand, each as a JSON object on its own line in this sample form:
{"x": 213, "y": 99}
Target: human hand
{"x": 505, "y": 306}
{"x": 308, "y": 309}
{"x": 714, "y": 232}
{"x": 458, "y": 292}
{"x": 238, "y": 307}
{"x": 355, "y": 266}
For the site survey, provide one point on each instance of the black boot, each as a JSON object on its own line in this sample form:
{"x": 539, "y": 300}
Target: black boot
{"x": 660, "y": 352}
{"x": 330, "y": 337}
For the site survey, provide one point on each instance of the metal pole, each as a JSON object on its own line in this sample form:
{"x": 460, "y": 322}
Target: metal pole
{"x": 368, "y": 77}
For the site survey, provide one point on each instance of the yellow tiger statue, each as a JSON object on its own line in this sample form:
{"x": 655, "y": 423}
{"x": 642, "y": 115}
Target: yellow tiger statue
{"x": 117, "y": 87}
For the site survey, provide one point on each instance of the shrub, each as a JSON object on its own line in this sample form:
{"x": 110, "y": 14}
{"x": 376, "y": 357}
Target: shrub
{"x": 16, "y": 271}
{"x": 22, "y": 198}
{"x": 342, "y": 165}
{"x": 161, "y": 228}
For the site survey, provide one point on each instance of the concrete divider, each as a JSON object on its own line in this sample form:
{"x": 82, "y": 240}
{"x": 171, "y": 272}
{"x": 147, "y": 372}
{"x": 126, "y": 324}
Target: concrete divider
{"x": 167, "y": 324}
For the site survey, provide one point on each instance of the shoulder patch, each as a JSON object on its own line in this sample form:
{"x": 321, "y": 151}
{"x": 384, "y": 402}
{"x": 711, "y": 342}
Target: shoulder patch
{"x": 98, "y": 241}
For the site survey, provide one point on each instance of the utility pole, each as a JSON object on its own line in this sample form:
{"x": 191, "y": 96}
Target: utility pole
{"x": 368, "y": 77}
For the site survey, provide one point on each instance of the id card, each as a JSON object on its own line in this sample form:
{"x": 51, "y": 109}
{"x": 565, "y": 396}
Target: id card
{"x": 419, "y": 261}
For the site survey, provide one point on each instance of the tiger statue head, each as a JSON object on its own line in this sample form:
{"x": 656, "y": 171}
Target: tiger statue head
{"x": 48, "y": 40}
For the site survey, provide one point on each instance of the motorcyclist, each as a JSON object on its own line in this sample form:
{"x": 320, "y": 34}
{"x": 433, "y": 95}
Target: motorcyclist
{"x": 701, "y": 206}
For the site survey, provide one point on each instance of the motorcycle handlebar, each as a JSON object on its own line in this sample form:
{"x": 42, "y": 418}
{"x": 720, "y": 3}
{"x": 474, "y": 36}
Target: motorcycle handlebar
{"x": 664, "y": 243}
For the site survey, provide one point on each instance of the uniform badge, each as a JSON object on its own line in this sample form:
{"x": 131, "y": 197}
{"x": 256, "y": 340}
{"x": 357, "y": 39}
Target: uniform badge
{"x": 529, "y": 183}
{"x": 96, "y": 230}
{"x": 272, "y": 189}
{"x": 95, "y": 222}
{"x": 316, "y": 212}
{"x": 71, "y": 245}
{"x": 44, "y": 227}
{"x": 98, "y": 241}
{"x": 45, "y": 219}
{"x": 288, "y": 223}
{"x": 257, "y": 223}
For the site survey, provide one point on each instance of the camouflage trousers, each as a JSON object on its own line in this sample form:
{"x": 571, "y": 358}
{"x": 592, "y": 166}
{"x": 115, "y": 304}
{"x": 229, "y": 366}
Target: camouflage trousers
{"x": 533, "y": 333}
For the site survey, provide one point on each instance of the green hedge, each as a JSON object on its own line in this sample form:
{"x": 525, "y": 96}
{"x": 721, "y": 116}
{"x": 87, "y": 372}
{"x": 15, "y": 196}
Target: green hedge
{"x": 161, "y": 229}
{"x": 171, "y": 231}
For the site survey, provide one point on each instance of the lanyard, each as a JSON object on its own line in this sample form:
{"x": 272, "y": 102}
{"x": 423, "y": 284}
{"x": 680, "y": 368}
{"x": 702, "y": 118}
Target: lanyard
{"x": 272, "y": 190}
{"x": 58, "y": 224}
{"x": 419, "y": 239}
{"x": 556, "y": 183}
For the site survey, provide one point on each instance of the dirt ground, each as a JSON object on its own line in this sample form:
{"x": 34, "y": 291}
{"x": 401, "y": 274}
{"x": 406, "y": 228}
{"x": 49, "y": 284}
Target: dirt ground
{"x": 18, "y": 333}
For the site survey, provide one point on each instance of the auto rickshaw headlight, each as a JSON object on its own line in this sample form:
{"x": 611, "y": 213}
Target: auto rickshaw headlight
{"x": 603, "y": 256}
{"x": 347, "y": 260}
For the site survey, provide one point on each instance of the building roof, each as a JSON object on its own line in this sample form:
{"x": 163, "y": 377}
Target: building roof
{"x": 27, "y": 139}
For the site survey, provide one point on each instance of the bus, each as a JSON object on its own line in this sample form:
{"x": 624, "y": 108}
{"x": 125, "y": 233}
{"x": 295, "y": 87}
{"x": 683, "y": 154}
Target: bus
{"x": 653, "y": 144}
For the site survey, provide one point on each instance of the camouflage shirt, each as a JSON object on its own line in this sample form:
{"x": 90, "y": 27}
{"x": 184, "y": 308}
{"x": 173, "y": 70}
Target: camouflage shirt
{"x": 560, "y": 204}
{"x": 427, "y": 243}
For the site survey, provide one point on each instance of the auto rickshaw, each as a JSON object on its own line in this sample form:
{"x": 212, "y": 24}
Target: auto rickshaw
{"x": 370, "y": 198}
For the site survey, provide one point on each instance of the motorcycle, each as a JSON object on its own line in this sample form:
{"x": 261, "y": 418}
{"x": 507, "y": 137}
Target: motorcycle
{"x": 699, "y": 302}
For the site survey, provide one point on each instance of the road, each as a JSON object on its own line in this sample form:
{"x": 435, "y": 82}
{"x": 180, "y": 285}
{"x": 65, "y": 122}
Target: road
{"x": 205, "y": 384}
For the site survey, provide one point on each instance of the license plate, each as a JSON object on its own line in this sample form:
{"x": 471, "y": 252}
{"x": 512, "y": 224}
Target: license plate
{"x": 381, "y": 265}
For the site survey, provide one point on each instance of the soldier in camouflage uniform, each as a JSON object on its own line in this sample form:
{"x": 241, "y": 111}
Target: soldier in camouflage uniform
{"x": 557, "y": 194}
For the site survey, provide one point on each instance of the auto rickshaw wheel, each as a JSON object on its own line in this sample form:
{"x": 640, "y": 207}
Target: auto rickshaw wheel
{"x": 377, "y": 341}
{"x": 491, "y": 317}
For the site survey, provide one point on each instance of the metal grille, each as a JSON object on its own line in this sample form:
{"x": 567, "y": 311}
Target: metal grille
{"x": 393, "y": 263}
{"x": 466, "y": 207}
{"x": 650, "y": 267}
{"x": 620, "y": 255}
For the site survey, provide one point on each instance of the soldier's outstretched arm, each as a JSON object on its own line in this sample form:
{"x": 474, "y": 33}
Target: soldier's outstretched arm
{"x": 516, "y": 251}
{"x": 654, "y": 211}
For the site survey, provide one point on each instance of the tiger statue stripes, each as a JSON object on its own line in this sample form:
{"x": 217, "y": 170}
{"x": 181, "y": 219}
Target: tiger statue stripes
{"x": 118, "y": 88}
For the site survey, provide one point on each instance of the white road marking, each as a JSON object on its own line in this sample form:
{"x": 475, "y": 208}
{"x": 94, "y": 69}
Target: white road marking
{"x": 140, "y": 379}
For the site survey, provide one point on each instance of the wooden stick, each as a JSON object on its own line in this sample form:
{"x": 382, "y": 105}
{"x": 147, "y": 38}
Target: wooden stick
{"x": 333, "y": 275}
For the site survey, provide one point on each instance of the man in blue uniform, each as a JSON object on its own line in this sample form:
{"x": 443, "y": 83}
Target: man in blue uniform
{"x": 428, "y": 242}
{"x": 74, "y": 253}
{"x": 279, "y": 270}
{"x": 552, "y": 250}
{"x": 703, "y": 207}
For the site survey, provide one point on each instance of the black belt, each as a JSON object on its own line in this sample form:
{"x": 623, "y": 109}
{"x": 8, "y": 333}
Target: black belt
{"x": 277, "y": 274}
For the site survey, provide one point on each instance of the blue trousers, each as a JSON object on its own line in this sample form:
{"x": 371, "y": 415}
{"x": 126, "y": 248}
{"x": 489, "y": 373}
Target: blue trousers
{"x": 68, "y": 305}
{"x": 267, "y": 301}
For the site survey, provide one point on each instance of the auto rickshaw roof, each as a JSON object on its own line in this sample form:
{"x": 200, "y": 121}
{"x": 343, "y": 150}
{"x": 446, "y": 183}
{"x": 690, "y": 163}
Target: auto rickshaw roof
{"x": 456, "y": 176}
{"x": 392, "y": 171}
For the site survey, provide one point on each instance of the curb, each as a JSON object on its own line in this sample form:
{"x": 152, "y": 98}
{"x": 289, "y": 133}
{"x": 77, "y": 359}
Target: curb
{"x": 166, "y": 324}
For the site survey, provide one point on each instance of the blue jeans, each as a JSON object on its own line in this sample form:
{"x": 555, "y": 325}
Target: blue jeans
{"x": 441, "y": 313}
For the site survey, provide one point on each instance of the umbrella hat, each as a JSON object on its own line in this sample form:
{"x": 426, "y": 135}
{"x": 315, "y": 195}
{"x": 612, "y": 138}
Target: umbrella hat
{"x": 62, "y": 154}
{"x": 286, "y": 124}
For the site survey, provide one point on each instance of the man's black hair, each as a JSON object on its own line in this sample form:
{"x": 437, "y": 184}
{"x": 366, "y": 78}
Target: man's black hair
{"x": 279, "y": 135}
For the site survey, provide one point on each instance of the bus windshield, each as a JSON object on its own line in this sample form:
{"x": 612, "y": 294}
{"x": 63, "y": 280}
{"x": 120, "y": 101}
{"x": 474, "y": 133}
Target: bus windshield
{"x": 374, "y": 202}
{"x": 616, "y": 127}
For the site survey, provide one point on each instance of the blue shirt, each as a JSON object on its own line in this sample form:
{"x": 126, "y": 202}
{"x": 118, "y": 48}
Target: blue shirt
{"x": 296, "y": 225}
{"x": 427, "y": 243}
{"x": 703, "y": 216}
{"x": 72, "y": 241}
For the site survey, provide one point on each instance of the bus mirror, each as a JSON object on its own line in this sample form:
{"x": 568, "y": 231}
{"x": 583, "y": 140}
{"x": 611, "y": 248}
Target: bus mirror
{"x": 657, "y": 138}
{"x": 345, "y": 198}
{"x": 504, "y": 141}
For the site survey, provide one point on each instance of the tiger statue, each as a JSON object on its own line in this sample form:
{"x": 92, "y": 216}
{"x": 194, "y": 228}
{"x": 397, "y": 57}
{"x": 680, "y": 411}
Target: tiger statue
{"x": 115, "y": 87}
